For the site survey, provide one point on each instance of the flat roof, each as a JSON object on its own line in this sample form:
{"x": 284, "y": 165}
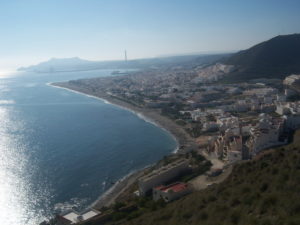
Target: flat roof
{"x": 164, "y": 169}
{"x": 89, "y": 214}
{"x": 72, "y": 216}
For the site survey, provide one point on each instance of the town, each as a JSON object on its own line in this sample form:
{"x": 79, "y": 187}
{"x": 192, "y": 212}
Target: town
{"x": 229, "y": 122}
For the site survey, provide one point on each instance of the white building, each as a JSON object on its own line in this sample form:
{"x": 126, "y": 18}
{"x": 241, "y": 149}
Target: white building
{"x": 291, "y": 110}
{"x": 282, "y": 109}
{"x": 261, "y": 92}
{"x": 227, "y": 122}
{"x": 265, "y": 134}
{"x": 162, "y": 175}
{"x": 289, "y": 80}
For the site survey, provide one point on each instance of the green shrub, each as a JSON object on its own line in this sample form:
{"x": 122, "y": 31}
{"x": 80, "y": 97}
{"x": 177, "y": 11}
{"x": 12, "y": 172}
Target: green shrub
{"x": 203, "y": 215}
{"x": 235, "y": 217}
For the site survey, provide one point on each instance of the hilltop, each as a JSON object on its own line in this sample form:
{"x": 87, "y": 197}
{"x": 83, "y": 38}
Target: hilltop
{"x": 275, "y": 58}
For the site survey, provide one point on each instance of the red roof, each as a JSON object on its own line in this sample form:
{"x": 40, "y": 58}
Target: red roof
{"x": 176, "y": 187}
{"x": 160, "y": 187}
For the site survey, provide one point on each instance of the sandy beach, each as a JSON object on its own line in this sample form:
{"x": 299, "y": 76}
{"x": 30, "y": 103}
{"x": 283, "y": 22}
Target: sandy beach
{"x": 184, "y": 141}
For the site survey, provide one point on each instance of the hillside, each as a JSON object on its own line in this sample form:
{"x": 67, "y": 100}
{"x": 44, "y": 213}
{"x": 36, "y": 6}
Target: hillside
{"x": 262, "y": 191}
{"x": 275, "y": 58}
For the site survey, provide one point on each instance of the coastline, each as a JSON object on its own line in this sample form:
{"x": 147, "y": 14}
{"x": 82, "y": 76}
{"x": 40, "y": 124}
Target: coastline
{"x": 112, "y": 194}
{"x": 183, "y": 140}
{"x": 125, "y": 107}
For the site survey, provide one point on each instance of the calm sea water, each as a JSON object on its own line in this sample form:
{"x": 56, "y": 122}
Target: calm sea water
{"x": 60, "y": 149}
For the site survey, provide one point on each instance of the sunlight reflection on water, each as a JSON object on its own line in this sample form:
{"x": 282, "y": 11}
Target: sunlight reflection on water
{"x": 17, "y": 200}
{"x": 53, "y": 141}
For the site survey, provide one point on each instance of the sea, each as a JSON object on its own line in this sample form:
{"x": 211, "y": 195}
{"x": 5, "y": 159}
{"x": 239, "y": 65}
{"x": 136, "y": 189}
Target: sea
{"x": 61, "y": 150}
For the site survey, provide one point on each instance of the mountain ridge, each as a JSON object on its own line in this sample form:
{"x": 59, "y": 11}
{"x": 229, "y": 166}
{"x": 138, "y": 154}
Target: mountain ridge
{"x": 274, "y": 58}
{"x": 75, "y": 63}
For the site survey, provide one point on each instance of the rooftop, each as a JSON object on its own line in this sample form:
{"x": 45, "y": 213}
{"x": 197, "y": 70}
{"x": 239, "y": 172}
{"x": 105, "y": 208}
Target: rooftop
{"x": 89, "y": 214}
{"x": 176, "y": 187}
{"x": 164, "y": 169}
{"x": 71, "y": 216}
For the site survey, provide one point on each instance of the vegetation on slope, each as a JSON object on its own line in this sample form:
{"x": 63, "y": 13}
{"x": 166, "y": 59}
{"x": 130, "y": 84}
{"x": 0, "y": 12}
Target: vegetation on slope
{"x": 275, "y": 58}
{"x": 262, "y": 191}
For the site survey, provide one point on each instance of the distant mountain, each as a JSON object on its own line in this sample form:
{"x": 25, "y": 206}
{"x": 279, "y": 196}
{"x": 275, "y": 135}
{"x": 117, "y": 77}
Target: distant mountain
{"x": 62, "y": 65}
{"x": 275, "y": 58}
{"x": 77, "y": 64}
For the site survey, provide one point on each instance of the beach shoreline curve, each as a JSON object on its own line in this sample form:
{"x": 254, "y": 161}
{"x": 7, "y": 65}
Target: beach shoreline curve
{"x": 182, "y": 139}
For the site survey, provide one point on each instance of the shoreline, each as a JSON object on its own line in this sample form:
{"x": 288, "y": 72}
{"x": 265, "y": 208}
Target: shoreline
{"x": 138, "y": 114}
{"x": 152, "y": 116}
{"x": 182, "y": 139}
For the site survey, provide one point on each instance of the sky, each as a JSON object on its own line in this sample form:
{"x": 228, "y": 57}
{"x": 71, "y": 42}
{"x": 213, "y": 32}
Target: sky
{"x": 32, "y": 31}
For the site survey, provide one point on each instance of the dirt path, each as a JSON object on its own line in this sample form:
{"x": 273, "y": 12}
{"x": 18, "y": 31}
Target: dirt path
{"x": 203, "y": 181}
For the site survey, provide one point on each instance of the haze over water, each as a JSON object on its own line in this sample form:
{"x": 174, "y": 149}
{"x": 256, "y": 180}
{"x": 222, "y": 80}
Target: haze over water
{"x": 61, "y": 149}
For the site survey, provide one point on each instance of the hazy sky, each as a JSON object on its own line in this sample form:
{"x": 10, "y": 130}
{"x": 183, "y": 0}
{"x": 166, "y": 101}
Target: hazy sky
{"x": 35, "y": 30}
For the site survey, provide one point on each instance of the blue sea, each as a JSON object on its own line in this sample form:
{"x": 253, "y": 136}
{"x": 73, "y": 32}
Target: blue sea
{"x": 60, "y": 149}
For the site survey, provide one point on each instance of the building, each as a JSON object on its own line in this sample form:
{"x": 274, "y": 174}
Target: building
{"x": 162, "y": 175}
{"x": 289, "y": 80}
{"x": 227, "y": 122}
{"x": 210, "y": 126}
{"x": 171, "y": 192}
{"x": 73, "y": 217}
{"x": 229, "y": 145}
{"x": 291, "y": 112}
{"x": 282, "y": 109}
{"x": 265, "y": 134}
{"x": 261, "y": 92}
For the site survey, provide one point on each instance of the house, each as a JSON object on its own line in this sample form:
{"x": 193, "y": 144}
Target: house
{"x": 171, "y": 192}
